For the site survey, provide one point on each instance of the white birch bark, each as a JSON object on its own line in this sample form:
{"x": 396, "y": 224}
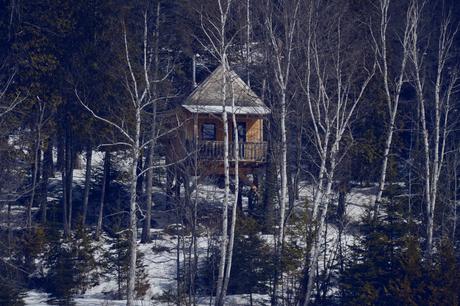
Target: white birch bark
{"x": 392, "y": 91}
{"x": 434, "y": 137}
{"x": 282, "y": 70}
{"x": 235, "y": 202}
{"x": 132, "y": 216}
{"x": 331, "y": 110}
{"x": 216, "y": 32}
{"x": 223, "y": 247}
{"x": 139, "y": 87}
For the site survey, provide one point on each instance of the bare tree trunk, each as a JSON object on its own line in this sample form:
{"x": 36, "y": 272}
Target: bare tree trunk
{"x": 106, "y": 173}
{"x": 217, "y": 37}
{"x": 60, "y": 146}
{"x": 223, "y": 247}
{"x": 248, "y": 42}
{"x": 145, "y": 237}
{"x": 454, "y": 208}
{"x": 133, "y": 222}
{"x": 331, "y": 106}
{"x": 69, "y": 176}
{"x": 235, "y": 203}
{"x": 282, "y": 66}
{"x": 36, "y": 165}
{"x": 65, "y": 186}
{"x": 37, "y": 162}
{"x": 47, "y": 170}
{"x": 442, "y": 93}
{"x": 140, "y": 93}
{"x": 153, "y": 135}
{"x": 284, "y": 197}
{"x": 392, "y": 99}
{"x": 89, "y": 157}
{"x": 314, "y": 251}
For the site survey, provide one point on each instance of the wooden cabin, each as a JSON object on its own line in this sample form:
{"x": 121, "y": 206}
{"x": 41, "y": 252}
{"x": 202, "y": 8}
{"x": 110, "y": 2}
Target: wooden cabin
{"x": 203, "y": 129}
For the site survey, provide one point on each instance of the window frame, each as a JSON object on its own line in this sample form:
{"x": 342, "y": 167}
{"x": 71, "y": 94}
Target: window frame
{"x": 208, "y": 124}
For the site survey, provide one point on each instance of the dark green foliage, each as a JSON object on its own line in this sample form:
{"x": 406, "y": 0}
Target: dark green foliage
{"x": 115, "y": 265}
{"x": 445, "y": 276}
{"x": 19, "y": 254}
{"x": 252, "y": 260}
{"x": 12, "y": 285}
{"x": 11, "y": 293}
{"x": 60, "y": 280}
{"x": 387, "y": 268}
{"x": 71, "y": 268}
{"x": 252, "y": 263}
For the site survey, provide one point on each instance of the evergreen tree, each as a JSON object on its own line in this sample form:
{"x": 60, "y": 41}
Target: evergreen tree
{"x": 115, "y": 265}
{"x": 71, "y": 267}
{"x": 252, "y": 262}
{"x": 374, "y": 262}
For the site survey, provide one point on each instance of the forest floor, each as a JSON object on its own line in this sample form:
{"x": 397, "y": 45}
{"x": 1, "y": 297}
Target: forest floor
{"x": 161, "y": 255}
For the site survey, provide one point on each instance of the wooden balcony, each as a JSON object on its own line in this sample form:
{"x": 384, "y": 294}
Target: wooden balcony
{"x": 214, "y": 150}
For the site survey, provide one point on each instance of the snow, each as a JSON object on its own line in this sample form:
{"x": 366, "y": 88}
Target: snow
{"x": 35, "y": 298}
{"x": 160, "y": 256}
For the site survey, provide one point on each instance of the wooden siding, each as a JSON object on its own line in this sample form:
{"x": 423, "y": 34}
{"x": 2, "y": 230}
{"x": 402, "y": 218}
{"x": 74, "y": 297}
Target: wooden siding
{"x": 193, "y": 125}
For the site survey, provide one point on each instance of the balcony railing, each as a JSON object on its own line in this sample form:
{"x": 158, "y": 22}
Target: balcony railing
{"x": 214, "y": 150}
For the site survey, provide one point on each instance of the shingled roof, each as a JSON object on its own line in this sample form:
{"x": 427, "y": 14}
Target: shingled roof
{"x": 207, "y": 97}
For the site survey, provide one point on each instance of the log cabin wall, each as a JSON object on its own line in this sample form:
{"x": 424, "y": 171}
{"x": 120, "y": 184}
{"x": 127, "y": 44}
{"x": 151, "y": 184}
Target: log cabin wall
{"x": 254, "y": 126}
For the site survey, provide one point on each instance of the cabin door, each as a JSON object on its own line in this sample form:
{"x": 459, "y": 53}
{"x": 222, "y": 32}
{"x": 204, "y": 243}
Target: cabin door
{"x": 241, "y": 126}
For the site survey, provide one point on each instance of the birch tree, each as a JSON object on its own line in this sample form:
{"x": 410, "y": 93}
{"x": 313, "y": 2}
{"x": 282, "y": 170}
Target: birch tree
{"x": 215, "y": 29}
{"x": 236, "y": 152}
{"x": 153, "y": 128}
{"x": 392, "y": 82}
{"x": 224, "y": 11}
{"x": 280, "y": 24}
{"x": 333, "y": 88}
{"x": 435, "y": 93}
{"x": 138, "y": 83}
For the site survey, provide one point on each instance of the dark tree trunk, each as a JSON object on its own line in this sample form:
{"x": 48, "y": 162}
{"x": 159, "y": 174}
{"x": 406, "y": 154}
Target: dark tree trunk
{"x": 47, "y": 172}
{"x": 145, "y": 237}
{"x": 291, "y": 190}
{"x": 77, "y": 163}
{"x": 60, "y": 164}
{"x": 140, "y": 178}
{"x": 239, "y": 200}
{"x": 65, "y": 171}
{"x": 103, "y": 192}
{"x": 269, "y": 194}
{"x": 35, "y": 174}
{"x": 89, "y": 157}
{"x": 70, "y": 158}
{"x": 64, "y": 203}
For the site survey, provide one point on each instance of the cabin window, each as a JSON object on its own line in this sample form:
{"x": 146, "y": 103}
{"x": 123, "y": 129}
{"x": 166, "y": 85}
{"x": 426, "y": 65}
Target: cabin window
{"x": 208, "y": 131}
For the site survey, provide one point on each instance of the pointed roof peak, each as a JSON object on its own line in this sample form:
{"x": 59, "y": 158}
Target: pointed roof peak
{"x": 209, "y": 93}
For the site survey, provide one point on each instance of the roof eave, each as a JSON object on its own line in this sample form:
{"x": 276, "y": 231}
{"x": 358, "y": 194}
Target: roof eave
{"x": 217, "y": 109}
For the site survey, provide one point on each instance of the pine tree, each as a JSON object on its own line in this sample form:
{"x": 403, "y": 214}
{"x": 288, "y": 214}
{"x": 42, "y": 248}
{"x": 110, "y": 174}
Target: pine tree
{"x": 374, "y": 263}
{"x": 71, "y": 267}
{"x": 115, "y": 264}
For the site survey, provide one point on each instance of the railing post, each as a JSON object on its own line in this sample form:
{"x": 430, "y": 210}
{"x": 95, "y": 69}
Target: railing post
{"x": 214, "y": 150}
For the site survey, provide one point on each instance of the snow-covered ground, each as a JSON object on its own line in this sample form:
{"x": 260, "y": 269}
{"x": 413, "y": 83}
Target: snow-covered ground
{"x": 160, "y": 255}
{"x": 39, "y": 299}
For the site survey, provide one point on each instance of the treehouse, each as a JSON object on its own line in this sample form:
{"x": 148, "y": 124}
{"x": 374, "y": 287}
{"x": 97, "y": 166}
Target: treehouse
{"x": 203, "y": 128}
